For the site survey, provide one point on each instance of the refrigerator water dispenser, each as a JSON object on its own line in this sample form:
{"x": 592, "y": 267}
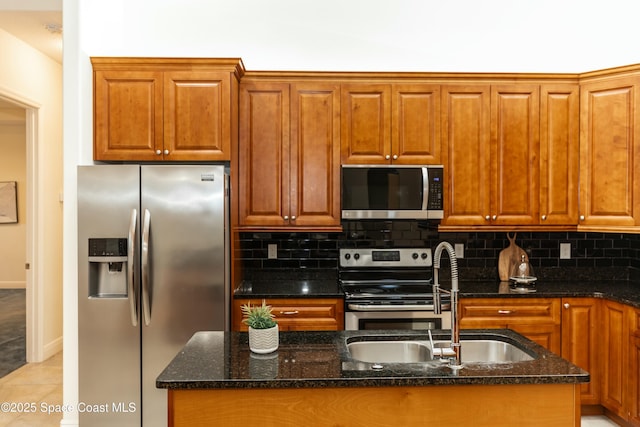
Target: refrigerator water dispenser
{"x": 108, "y": 268}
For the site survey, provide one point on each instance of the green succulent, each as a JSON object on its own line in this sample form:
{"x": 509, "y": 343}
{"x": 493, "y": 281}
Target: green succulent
{"x": 258, "y": 316}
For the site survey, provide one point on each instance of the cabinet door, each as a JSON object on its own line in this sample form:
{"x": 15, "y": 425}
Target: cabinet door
{"x": 609, "y": 154}
{"x": 197, "y": 122}
{"x": 633, "y": 375}
{"x": 263, "y": 158}
{"x": 580, "y": 342}
{"x": 465, "y": 153}
{"x": 315, "y": 155}
{"x": 613, "y": 350}
{"x": 547, "y": 335}
{"x": 515, "y": 145}
{"x": 365, "y": 123}
{"x": 559, "y": 154}
{"x": 415, "y": 124}
{"x": 128, "y": 115}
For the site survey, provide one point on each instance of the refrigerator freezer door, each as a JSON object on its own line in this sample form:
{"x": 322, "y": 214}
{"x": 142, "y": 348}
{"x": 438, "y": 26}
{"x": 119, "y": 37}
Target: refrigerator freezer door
{"x": 185, "y": 266}
{"x": 109, "y": 342}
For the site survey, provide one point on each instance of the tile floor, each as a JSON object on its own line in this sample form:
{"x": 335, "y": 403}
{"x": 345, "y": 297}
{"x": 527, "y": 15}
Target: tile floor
{"x": 41, "y": 383}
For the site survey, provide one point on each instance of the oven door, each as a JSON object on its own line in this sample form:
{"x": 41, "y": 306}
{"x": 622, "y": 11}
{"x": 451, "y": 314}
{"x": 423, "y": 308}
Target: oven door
{"x": 403, "y": 320}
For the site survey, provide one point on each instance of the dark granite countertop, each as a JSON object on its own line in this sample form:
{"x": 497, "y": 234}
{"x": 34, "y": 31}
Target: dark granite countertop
{"x": 623, "y": 291}
{"x": 326, "y": 286}
{"x": 214, "y": 360}
{"x": 307, "y": 283}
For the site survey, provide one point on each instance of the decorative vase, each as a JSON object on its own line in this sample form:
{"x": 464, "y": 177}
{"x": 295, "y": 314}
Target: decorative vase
{"x": 263, "y": 341}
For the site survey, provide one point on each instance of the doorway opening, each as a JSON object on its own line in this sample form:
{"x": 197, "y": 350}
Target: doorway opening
{"x": 32, "y": 286}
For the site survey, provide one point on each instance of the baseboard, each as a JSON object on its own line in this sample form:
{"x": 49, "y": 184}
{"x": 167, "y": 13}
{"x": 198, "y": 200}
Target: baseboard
{"x": 52, "y": 348}
{"x": 13, "y": 285}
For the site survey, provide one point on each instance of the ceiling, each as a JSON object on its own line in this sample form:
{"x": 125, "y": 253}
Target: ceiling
{"x": 37, "y": 23}
{"x": 40, "y": 29}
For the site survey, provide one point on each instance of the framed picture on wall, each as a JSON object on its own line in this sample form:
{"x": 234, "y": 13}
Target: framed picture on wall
{"x": 8, "y": 203}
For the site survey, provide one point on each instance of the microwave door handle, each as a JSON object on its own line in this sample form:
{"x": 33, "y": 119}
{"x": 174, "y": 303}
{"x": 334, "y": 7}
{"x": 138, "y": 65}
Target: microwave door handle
{"x": 425, "y": 187}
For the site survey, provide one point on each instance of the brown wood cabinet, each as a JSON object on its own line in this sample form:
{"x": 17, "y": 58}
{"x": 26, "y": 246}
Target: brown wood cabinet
{"x": 150, "y": 109}
{"x": 614, "y": 338}
{"x": 633, "y": 374}
{"x": 538, "y": 319}
{"x": 297, "y": 314}
{"x": 289, "y": 155}
{"x": 609, "y": 152}
{"x": 390, "y": 123}
{"x": 580, "y": 342}
{"x": 511, "y": 155}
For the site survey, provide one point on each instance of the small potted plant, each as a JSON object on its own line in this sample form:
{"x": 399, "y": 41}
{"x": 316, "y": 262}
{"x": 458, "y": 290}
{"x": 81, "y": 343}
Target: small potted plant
{"x": 263, "y": 328}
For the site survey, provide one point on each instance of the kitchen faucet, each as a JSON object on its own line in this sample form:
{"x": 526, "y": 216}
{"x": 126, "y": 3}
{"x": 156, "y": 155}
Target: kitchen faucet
{"x": 456, "y": 363}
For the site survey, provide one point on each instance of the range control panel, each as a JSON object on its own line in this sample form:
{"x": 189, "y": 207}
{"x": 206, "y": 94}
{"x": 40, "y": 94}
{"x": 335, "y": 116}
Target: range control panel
{"x": 396, "y": 257}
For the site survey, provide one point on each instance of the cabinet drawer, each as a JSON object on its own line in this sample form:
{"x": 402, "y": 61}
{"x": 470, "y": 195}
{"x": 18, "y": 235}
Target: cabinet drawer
{"x": 295, "y": 314}
{"x": 511, "y": 310}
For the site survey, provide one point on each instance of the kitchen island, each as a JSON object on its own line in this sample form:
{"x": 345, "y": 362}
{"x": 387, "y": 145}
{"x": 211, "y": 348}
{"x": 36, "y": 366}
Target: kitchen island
{"x": 311, "y": 380}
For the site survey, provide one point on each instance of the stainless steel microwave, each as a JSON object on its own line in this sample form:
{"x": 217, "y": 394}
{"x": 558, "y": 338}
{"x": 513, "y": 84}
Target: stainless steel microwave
{"x": 392, "y": 191}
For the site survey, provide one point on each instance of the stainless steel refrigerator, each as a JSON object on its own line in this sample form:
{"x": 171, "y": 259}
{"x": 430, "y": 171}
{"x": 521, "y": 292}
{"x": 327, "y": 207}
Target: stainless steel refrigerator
{"x": 153, "y": 269}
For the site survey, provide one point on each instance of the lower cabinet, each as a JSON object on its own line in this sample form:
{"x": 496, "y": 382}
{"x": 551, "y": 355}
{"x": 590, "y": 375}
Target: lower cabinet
{"x": 536, "y": 318}
{"x": 581, "y": 341}
{"x": 620, "y": 354}
{"x": 613, "y": 341}
{"x": 297, "y": 314}
{"x": 633, "y": 376}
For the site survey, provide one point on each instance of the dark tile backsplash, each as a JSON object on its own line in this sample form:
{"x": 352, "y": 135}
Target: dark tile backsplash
{"x": 593, "y": 255}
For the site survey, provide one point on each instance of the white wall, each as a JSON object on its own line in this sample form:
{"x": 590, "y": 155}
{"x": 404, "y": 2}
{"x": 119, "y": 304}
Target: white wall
{"x": 340, "y": 35}
{"x": 35, "y": 82}
{"x": 13, "y": 167}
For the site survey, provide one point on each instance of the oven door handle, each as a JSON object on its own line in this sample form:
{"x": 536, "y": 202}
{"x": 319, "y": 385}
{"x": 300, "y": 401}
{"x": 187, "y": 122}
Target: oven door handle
{"x": 395, "y": 307}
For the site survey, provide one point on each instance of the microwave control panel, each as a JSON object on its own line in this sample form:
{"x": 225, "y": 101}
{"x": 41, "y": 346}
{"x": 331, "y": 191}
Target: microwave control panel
{"x": 436, "y": 184}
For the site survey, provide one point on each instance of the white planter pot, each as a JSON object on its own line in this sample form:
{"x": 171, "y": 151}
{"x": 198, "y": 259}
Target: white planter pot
{"x": 263, "y": 341}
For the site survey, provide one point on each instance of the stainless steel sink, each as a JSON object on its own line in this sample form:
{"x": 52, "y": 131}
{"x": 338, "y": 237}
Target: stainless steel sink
{"x": 389, "y": 351}
{"x": 491, "y": 351}
{"x": 412, "y": 351}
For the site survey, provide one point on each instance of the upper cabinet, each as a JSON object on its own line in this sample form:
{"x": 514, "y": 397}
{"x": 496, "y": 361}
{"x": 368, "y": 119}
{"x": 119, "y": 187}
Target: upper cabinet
{"x": 390, "y": 123}
{"x": 511, "y": 155}
{"x": 609, "y": 152}
{"x": 288, "y": 161}
{"x": 150, "y": 109}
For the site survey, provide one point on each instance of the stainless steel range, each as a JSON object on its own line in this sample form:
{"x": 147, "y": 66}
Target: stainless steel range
{"x": 390, "y": 289}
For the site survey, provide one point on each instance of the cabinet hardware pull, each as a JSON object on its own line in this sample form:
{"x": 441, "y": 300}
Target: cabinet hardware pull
{"x": 158, "y": 152}
{"x": 567, "y": 305}
{"x": 286, "y": 217}
{"x": 166, "y": 152}
{"x": 581, "y": 217}
{"x": 494, "y": 217}
{"x": 387, "y": 157}
{"x": 395, "y": 157}
{"x": 293, "y": 217}
{"x": 487, "y": 217}
{"x": 289, "y": 313}
{"x": 544, "y": 217}
{"x": 505, "y": 311}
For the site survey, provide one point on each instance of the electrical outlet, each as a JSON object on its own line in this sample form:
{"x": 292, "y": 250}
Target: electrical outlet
{"x": 272, "y": 251}
{"x": 565, "y": 250}
{"x": 459, "y": 250}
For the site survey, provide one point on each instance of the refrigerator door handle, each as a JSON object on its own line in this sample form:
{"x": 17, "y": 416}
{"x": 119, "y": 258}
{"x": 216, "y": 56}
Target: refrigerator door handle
{"x": 131, "y": 287}
{"x": 146, "y": 308}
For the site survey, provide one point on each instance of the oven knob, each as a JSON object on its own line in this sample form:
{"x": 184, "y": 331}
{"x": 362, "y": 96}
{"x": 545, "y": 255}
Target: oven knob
{"x": 424, "y": 255}
{"x": 347, "y": 256}
{"x": 356, "y": 256}
{"x": 414, "y": 255}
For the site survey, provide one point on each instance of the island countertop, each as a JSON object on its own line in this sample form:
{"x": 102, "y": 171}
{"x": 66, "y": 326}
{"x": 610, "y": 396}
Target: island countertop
{"x": 220, "y": 360}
